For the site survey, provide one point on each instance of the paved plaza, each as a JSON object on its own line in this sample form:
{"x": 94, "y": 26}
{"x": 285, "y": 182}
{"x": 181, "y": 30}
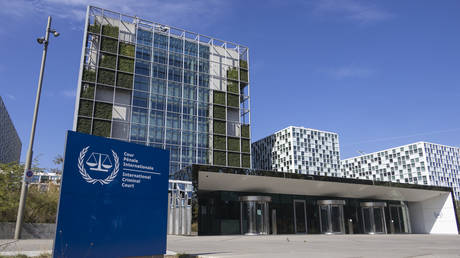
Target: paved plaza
{"x": 287, "y": 246}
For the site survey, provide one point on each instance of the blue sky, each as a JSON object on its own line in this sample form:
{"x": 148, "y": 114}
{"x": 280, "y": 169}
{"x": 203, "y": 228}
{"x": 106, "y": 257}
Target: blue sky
{"x": 379, "y": 73}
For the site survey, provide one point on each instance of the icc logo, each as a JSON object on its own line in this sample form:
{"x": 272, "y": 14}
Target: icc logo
{"x": 99, "y": 162}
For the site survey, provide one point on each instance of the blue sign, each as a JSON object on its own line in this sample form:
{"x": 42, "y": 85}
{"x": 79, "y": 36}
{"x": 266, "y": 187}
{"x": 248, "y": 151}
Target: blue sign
{"x": 114, "y": 199}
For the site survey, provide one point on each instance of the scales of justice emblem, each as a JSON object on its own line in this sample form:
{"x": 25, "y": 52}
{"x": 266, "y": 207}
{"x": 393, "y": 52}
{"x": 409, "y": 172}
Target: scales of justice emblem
{"x": 98, "y": 162}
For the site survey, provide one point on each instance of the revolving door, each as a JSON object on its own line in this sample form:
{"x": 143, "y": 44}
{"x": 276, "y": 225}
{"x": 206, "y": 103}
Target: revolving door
{"x": 331, "y": 216}
{"x": 254, "y": 215}
{"x": 373, "y": 214}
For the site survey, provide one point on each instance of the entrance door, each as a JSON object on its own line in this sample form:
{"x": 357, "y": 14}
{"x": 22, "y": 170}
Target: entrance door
{"x": 254, "y": 215}
{"x": 373, "y": 217}
{"x": 331, "y": 216}
{"x": 300, "y": 217}
{"x": 399, "y": 219}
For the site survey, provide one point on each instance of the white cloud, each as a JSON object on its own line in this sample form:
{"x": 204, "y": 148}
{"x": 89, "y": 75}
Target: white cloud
{"x": 68, "y": 93}
{"x": 356, "y": 10}
{"x": 348, "y": 72}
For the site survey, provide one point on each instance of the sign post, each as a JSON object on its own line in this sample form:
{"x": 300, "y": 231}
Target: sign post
{"x": 113, "y": 199}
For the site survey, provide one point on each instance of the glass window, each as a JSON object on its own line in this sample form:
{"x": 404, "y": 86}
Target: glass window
{"x": 190, "y": 77}
{"x": 204, "y": 66}
{"x": 158, "y": 71}
{"x": 202, "y": 156}
{"x": 160, "y": 56}
{"x": 174, "y": 104}
{"x": 140, "y": 99}
{"x": 203, "y": 95}
{"x": 175, "y": 74}
{"x": 157, "y": 118}
{"x": 203, "y": 140}
{"x": 158, "y": 86}
{"x": 143, "y": 68}
{"x": 144, "y": 37}
{"x": 157, "y": 102}
{"x": 204, "y": 51}
{"x": 141, "y": 83}
{"x": 188, "y": 155}
{"x": 174, "y": 89}
{"x": 175, "y": 59}
{"x": 174, "y": 153}
{"x": 188, "y": 138}
{"x": 160, "y": 41}
{"x": 139, "y": 115}
{"x": 189, "y": 92}
{"x": 123, "y": 96}
{"x": 175, "y": 44}
{"x": 190, "y": 63}
{"x": 203, "y": 124}
{"x": 173, "y": 120}
{"x": 144, "y": 53}
{"x": 189, "y": 123}
{"x": 172, "y": 136}
{"x": 191, "y": 48}
{"x": 189, "y": 107}
{"x": 138, "y": 132}
{"x": 203, "y": 80}
{"x": 203, "y": 109}
{"x": 156, "y": 134}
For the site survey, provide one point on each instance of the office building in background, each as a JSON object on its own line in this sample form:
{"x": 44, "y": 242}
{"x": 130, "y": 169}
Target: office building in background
{"x": 10, "y": 144}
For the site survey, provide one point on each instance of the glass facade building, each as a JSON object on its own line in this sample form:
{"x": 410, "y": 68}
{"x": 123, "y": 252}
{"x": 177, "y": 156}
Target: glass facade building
{"x": 164, "y": 87}
{"x": 10, "y": 143}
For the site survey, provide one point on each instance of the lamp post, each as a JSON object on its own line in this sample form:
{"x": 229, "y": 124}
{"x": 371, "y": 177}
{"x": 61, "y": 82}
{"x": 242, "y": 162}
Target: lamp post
{"x": 25, "y": 184}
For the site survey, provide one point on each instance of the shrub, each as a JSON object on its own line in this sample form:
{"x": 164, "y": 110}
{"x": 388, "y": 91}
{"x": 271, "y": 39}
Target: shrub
{"x": 233, "y": 144}
{"x": 233, "y": 100}
{"x": 246, "y": 160}
{"x": 108, "y": 61}
{"x": 244, "y": 75}
{"x": 109, "y": 45}
{"x": 232, "y": 87}
{"x": 232, "y": 73}
{"x": 110, "y": 30}
{"x": 245, "y": 147}
{"x": 219, "y": 112}
{"x": 106, "y": 77}
{"x": 125, "y": 80}
{"x": 94, "y": 28}
{"x": 87, "y": 91}
{"x": 219, "y": 127}
{"x": 245, "y": 131}
{"x": 86, "y": 108}
{"x": 219, "y": 158}
{"x": 84, "y": 125}
{"x": 103, "y": 110}
{"x": 125, "y": 64}
{"x": 219, "y": 142}
{"x": 234, "y": 159}
{"x": 126, "y": 49}
{"x": 101, "y": 128}
{"x": 243, "y": 64}
{"x": 219, "y": 97}
{"x": 89, "y": 75}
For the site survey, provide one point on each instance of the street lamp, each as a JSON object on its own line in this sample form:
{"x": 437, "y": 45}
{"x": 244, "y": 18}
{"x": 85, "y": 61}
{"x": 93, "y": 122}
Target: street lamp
{"x": 25, "y": 184}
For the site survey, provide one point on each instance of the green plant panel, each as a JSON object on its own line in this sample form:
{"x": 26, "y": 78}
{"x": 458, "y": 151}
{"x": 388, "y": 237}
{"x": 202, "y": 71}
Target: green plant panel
{"x": 219, "y": 142}
{"x": 126, "y": 49}
{"x": 232, "y": 86}
{"x": 243, "y": 64}
{"x": 85, "y": 108}
{"x": 94, "y": 28}
{"x": 245, "y": 146}
{"x": 106, "y": 77}
{"x": 233, "y": 144}
{"x": 244, "y": 75}
{"x": 219, "y": 158}
{"x": 125, "y": 80}
{"x": 245, "y": 131}
{"x": 234, "y": 159}
{"x": 109, "y": 30}
{"x": 103, "y": 110}
{"x": 219, "y": 97}
{"x": 233, "y": 100}
{"x": 89, "y": 75}
{"x": 246, "y": 158}
{"x": 101, "y": 128}
{"x": 218, "y": 112}
{"x": 84, "y": 125}
{"x": 109, "y": 45}
{"x": 232, "y": 73}
{"x": 219, "y": 127}
{"x": 125, "y": 64}
{"x": 87, "y": 91}
{"x": 108, "y": 61}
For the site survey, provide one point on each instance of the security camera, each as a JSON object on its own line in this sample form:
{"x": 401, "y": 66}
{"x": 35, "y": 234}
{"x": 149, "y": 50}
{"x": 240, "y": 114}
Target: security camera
{"x": 40, "y": 40}
{"x": 55, "y": 33}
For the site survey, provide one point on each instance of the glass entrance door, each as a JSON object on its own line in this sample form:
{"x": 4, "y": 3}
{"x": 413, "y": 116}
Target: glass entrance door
{"x": 399, "y": 219}
{"x": 254, "y": 217}
{"x": 300, "y": 217}
{"x": 373, "y": 214}
{"x": 331, "y": 216}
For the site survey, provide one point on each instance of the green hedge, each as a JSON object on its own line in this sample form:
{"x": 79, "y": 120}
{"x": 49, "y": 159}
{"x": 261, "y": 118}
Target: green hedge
{"x": 125, "y": 80}
{"x": 234, "y": 159}
{"x": 106, "y": 77}
{"x": 103, "y": 110}
{"x": 84, "y": 125}
{"x": 243, "y": 64}
{"x": 246, "y": 160}
{"x": 219, "y": 127}
{"x": 86, "y": 108}
{"x": 94, "y": 28}
{"x": 232, "y": 87}
{"x": 109, "y": 45}
{"x": 233, "y": 100}
{"x": 110, "y": 30}
{"x": 108, "y": 61}
{"x": 89, "y": 75}
{"x": 87, "y": 91}
{"x": 245, "y": 131}
{"x": 232, "y": 73}
{"x": 101, "y": 128}
{"x": 126, "y": 49}
{"x": 125, "y": 64}
{"x": 245, "y": 147}
{"x": 244, "y": 75}
{"x": 233, "y": 144}
{"x": 219, "y": 97}
{"x": 218, "y": 112}
{"x": 219, "y": 142}
{"x": 219, "y": 158}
